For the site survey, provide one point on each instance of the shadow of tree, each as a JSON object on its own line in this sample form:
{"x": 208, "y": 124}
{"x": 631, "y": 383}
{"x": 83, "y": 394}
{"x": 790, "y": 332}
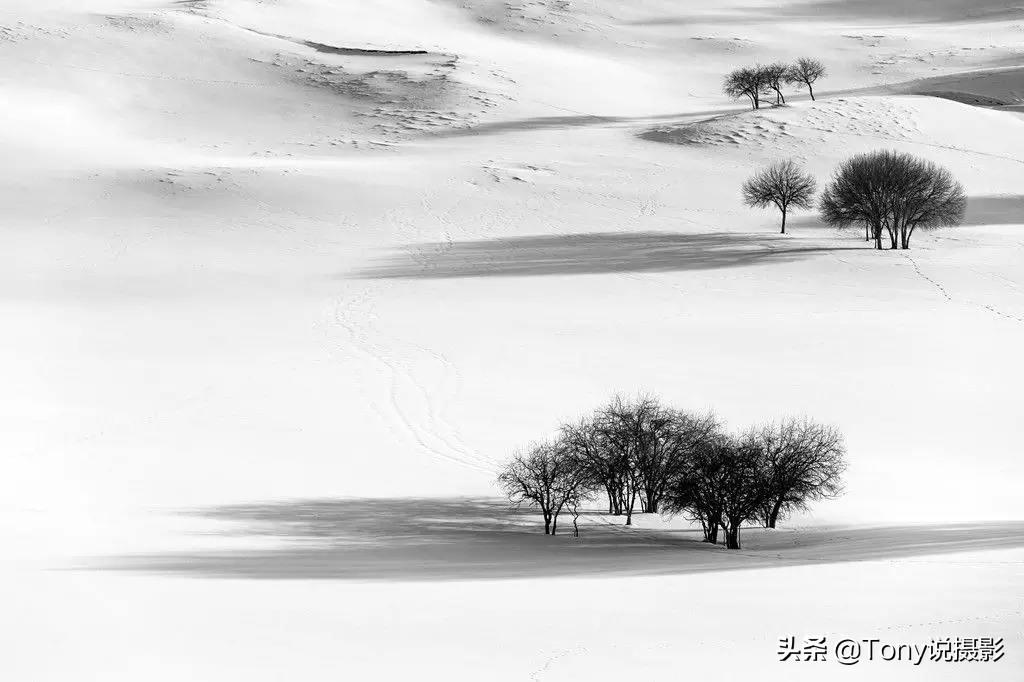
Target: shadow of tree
{"x": 414, "y": 539}
{"x": 567, "y": 122}
{"x": 908, "y": 11}
{"x": 1005, "y": 209}
{"x": 590, "y": 253}
{"x": 995, "y": 210}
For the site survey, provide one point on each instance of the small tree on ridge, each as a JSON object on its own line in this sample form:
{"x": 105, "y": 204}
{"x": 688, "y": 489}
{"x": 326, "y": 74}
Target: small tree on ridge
{"x": 806, "y": 71}
{"x": 746, "y": 82}
{"x": 775, "y": 75}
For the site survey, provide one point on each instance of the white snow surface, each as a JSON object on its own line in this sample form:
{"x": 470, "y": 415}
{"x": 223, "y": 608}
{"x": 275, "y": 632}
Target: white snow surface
{"x": 284, "y": 254}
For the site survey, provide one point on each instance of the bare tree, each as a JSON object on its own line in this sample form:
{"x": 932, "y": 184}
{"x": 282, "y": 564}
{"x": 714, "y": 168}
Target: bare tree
{"x": 671, "y": 440}
{"x": 774, "y": 76}
{"x": 743, "y": 488}
{"x": 806, "y": 71}
{"x": 802, "y": 461}
{"x": 783, "y": 184}
{"x": 633, "y": 449}
{"x": 724, "y": 488}
{"x": 895, "y": 193}
{"x": 697, "y": 492}
{"x": 546, "y": 477}
{"x": 587, "y": 443}
{"x": 746, "y": 82}
{"x": 624, "y": 427}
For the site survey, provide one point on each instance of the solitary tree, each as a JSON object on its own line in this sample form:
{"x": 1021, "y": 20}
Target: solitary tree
{"x": 546, "y": 477}
{"x": 746, "y": 82}
{"x": 806, "y": 71}
{"x": 775, "y": 76}
{"x": 783, "y": 184}
{"x": 802, "y": 461}
{"x": 895, "y": 193}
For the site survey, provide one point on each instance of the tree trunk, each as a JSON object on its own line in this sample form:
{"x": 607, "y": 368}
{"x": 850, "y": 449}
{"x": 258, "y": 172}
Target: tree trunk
{"x": 547, "y": 524}
{"x": 783, "y": 221}
{"x": 773, "y": 515}
{"x": 811, "y": 88}
{"x": 711, "y": 533}
{"x": 554, "y": 525}
{"x": 732, "y": 537}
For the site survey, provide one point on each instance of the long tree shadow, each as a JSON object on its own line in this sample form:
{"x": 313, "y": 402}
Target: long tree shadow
{"x": 995, "y": 210}
{"x": 909, "y": 11}
{"x": 589, "y": 253}
{"x": 414, "y": 539}
{"x": 573, "y": 121}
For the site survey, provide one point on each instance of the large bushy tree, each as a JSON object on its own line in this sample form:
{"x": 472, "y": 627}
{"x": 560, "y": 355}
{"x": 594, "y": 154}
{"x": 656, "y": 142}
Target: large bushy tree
{"x": 893, "y": 193}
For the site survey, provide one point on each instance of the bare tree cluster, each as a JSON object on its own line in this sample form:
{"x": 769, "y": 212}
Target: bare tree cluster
{"x": 888, "y": 192}
{"x": 672, "y": 461}
{"x": 755, "y": 81}
{"x": 892, "y": 193}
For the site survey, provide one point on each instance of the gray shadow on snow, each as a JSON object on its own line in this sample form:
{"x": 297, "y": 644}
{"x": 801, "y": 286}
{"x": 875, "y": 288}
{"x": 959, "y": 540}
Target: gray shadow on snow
{"x": 577, "y": 120}
{"x": 590, "y": 253}
{"x": 995, "y": 210}
{"x": 884, "y": 11}
{"x": 431, "y": 539}
{"x": 1005, "y": 209}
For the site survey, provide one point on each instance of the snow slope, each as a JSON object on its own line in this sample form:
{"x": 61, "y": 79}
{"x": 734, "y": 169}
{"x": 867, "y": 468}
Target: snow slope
{"x": 259, "y": 252}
